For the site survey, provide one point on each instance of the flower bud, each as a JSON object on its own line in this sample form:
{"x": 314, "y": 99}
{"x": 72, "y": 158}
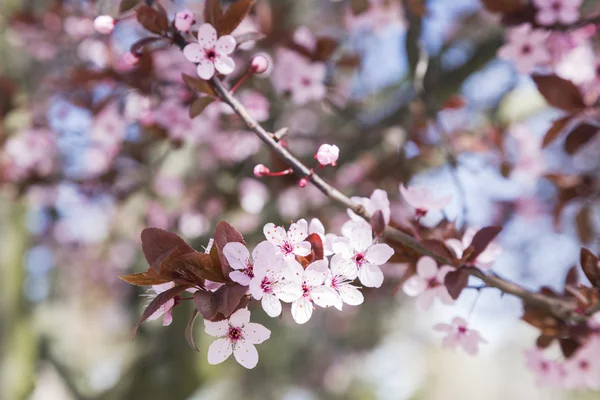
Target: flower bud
{"x": 261, "y": 170}
{"x": 184, "y": 20}
{"x": 328, "y": 154}
{"x": 303, "y": 182}
{"x": 104, "y": 24}
{"x": 259, "y": 64}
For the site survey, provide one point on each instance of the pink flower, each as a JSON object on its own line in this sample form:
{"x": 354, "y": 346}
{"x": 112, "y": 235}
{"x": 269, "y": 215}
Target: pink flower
{"x": 272, "y": 283}
{"x": 422, "y": 199}
{"x": 485, "y": 260}
{"x": 210, "y": 53}
{"x": 428, "y": 283}
{"x": 104, "y": 24}
{"x": 362, "y": 256}
{"x": 166, "y": 310}
{"x": 292, "y": 243}
{"x": 583, "y": 368}
{"x": 314, "y": 291}
{"x": 341, "y": 277}
{"x": 548, "y": 372}
{"x": 299, "y": 76}
{"x": 458, "y": 335}
{"x": 328, "y": 154}
{"x": 184, "y": 20}
{"x": 236, "y": 335}
{"x": 238, "y": 256}
{"x": 551, "y": 12}
{"x": 377, "y": 202}
{"x": 526, "y": 48}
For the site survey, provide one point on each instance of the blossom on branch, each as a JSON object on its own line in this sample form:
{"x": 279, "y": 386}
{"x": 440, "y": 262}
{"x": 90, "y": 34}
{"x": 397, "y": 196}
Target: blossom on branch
{"x": 236, "y": 335}
{"x": 104, "y": 24}
{"x": 238, "y": 256}
{"x": 428, "y": 283}
{"x": 377, "y": 202}
{"x": 485, "y": 260}
{"x": 328, "y": 154}
{"x": 184, "y": 20}
{"x": 526, "y": 48}
{"x": 166, "y": 310}
{"x": 272, "y": 283}
{"x": 423, "y": 200}
{"x": 551, "y": 12}
{"x": 211, "y": 54}
{"x": 292, "y": 243}
{"x": 341, "y": 278}
{"x": 459, "y": 335}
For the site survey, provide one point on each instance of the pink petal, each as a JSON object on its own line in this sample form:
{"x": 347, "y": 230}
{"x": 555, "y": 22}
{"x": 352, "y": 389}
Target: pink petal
{"x": 302, "y": 310}
{"x": 370, "y": 275}
{"x": 255, "y": 287}
{"x": 351, "y": 295}
{"x": 443, "y": 328}
{"x": 298, "y": 231}
{"x": 316, "y": 226}
{"x": 240, "y": 318}
{"x": 316, "y": 273}
{"x": 302, "y": 249}
{"x": 224, "y": 64}
{"x": 414, "y": 286}
{"x": 207, "y": 36}
{"x": 206, "y": 69}
{"x": 450, "y": 341}
{"x": 426, "y": 299}
{"x": 324, "y": 296}
{"x": 240, "y": 277}
{"x": 256, "y": 333}
{"x": 342, "y": 247}
{"x": 275, "y": 234}
{"x": 568, "y": 15}
{"x": 442, "y": 293}
{"x": 217, "y": 329}
{"x": 194, "y": 52}
{"x": 245, "y": 353}
{"x": 546, "y": 17}
{"x": 226, "y": 44}
{"x": 427, "y": 267}
{"x": 168, "y": 318}
{"x": 237, "y": 255}
{"x": 379, "y": 253}
{"x": 219, "y": 351}
{"x": 270, "y": 303}
{"x": 341, "y": 266}
{"x": 265, "y": 254}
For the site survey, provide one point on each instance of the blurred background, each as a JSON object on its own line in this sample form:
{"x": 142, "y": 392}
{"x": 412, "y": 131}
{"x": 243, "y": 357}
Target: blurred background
{"x": 93, "y": 149}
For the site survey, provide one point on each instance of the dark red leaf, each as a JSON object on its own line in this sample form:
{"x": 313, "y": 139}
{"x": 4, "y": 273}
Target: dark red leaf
{"x": 456, "y": 281}
{"x": 572, "y": 278}
{"x": 439, "y": 248}
{"x": 189, "y": 330}
{"x": 201, "y": 265}
{"x": 503, "y": 6}
{"x": 377, "y": 223}
{"x": 198, "y": 85}
{"x": 156, "y": 242}
{"x": 157, "y": 302}
{"x": 585, "y": 228}
{"x": 144, "y": 279}
{"x": 559, "y": 92}
{"x": 568, "y": 346}
{"x": 225, "y": 233}
{"x": 206, "y": 303}
{"x": 555, "y": 130}
{"x": 324, "y": 48}
{"x": 230, "y": 297}
{"x": 579, "y": 137}
{"x": 544, "y": 341}
{"x": 213, "y": 13}
{"x": 590, "y": 266}
{"x": 234, "y": 15}
{"x": 152, "y": 19}
{"x": 480, "y": 241}
{"x": 138, "y": 47}
{"x": 316, "y": 244}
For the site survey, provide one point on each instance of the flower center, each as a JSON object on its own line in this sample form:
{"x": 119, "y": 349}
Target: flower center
{"x": 266, "y": 285}
{"x": 359, "y": 259}
{"x": 584, "y": 365}
{"x": 305, "y": 290}
{"x": 211, "y": 54}
{"x": 433, "y": 282}
{"x": 544, "y": 366}
{"x": 287, "y": 248}
{"x": 557, "y": 5}
{"x": 234, "y": 334}
{"x": 249, "y": 270}
{"x": 305, "y": 81}
{"x": 462, "y": 330}
{"x": 526, "y": 49}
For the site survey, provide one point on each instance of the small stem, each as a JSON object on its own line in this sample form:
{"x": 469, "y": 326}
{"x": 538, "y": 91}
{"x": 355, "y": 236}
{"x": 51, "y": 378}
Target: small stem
{"x": 239, "y": 83}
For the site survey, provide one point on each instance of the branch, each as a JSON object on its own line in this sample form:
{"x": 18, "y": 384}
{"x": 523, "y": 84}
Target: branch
{"x": 560, "y": 307}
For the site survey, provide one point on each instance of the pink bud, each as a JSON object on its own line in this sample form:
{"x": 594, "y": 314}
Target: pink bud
{"x": 259, "y": 64}
{"x": 328, "y": 154}
{"x": 130, "y": 59}
{"x": 104, "y": 24}
{"x": 261, "y": 170}
{"x": 303, "y": 182}
{"x": 184, "y": 20}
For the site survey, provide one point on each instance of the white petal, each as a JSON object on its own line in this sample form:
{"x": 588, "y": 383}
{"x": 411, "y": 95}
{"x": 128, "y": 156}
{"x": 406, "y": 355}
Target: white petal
{"x": 302, "y": 249}
{"x": 456, "y": 246}
{"x": 219, "y": 351}
{"x": 237, "y": 255}
{"x": 343, "y": 247}
{"x": 426, "y": 299}
{"x": 379, "y": 253}
{"x": 427, "y": 267}
{"x": 292, "y": 272}
{"x": 207, "y": 36}
{"x": 271, "y": 304}
{"x": 316, "y": 226}
{"x": 370, "y": 275}
{"x": 255, "y": 287}
{"x": 256, "y": 333}
{"x": 226, "y": 44}
{"x": 224, "y": 64}
{"x": 275, "y": 234}
{"x": 414, "y": 286}
{"x": 360, "y": 236}
{"x": 298, "y": 231}
{"x": 217, "y": 329}
{"x": 240, "y": 318}
{"x": 239, "y": 277}
{"x": 288, "y": 291}
{"x": 324, "y": 296}
{"x": 341, "y": 266}
{"x": 264, "y": 253}
{"x": 351, "y": 295}
{"x": 206, "y": 69}
{"x": 380, "y": 201}
{"x": 302, "y": 310}
{"x": 194, "y": 52}
{"x": 245, "y": 353}
{"x": 316, "y": 273}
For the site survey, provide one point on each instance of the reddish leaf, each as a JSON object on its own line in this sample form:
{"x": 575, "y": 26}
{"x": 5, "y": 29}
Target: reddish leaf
{"x": 225, "y": 233}
{"x": 144, "y": 279}
{"x": 439, "y": 248}
{"x": 590, "y": 266}
{"x": 138, "y": 47}
{"x": 206, "y": 303}
{"x": 456, "y": 281}
{"x": 201, "y": 265}
{"x": 559, "y": 92}
{"x": 480, "y": 241}
{"x": 157, "y": 302}
{"x": 544, "y": 341}
{"x": 503, "y": 6}
{"x": 152, "y": 20}
{"x": 199, "y": 105}
{"x": 213, "y": 13}
{"x": 585, "y": 229}
{"x": 156, "y": 242}
{"x": 572, "y": 278}
{"x": 579, "y": 137}
{"x": 377, "y": 223}
{"x": 568, "y": 346}
{"x": 555, "y": 130}
{"x": 234, "y": 16}
{"x": 325, "y": 48}
{"x": 189, "y": 330}
{"x": 198, "y": 85}
{"x": 316, "y": 244}
{"x": 230, "y": 297}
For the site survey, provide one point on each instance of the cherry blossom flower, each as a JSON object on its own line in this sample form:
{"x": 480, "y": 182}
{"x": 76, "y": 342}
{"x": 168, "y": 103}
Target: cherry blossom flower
{"x": 551, "y": 12}
{"x": 297, "y": 75}
{"x": 377, "y": 201}
{"x": 30, "y": 152}
{"x": 184, "y": 20}
{"x": 104, "y": 24}
{"x": 362, "y": 255}
{"x": 583, "y": 368}
{"x": 459, "y": 335}
{"x": 314, "y": 291}
{"x": 316, "y": 226}
{"x": 341, "y": 280}
{"x": 423, "y": 200}
{"x": 547, "y": 372}
{"x": 428, "y": 283}
{"x": 485, "y": 260}
{"x": 328, "y": 154}
{"x": 238, "y": 257}
{"x": 210, "y": 53}
{"x": 274, "y": 282}
{"x": 525, "y": 48}
{"x": 290, "y": 244}
{"x": 236, "y": 335}
{"x": 166, "y": 310}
